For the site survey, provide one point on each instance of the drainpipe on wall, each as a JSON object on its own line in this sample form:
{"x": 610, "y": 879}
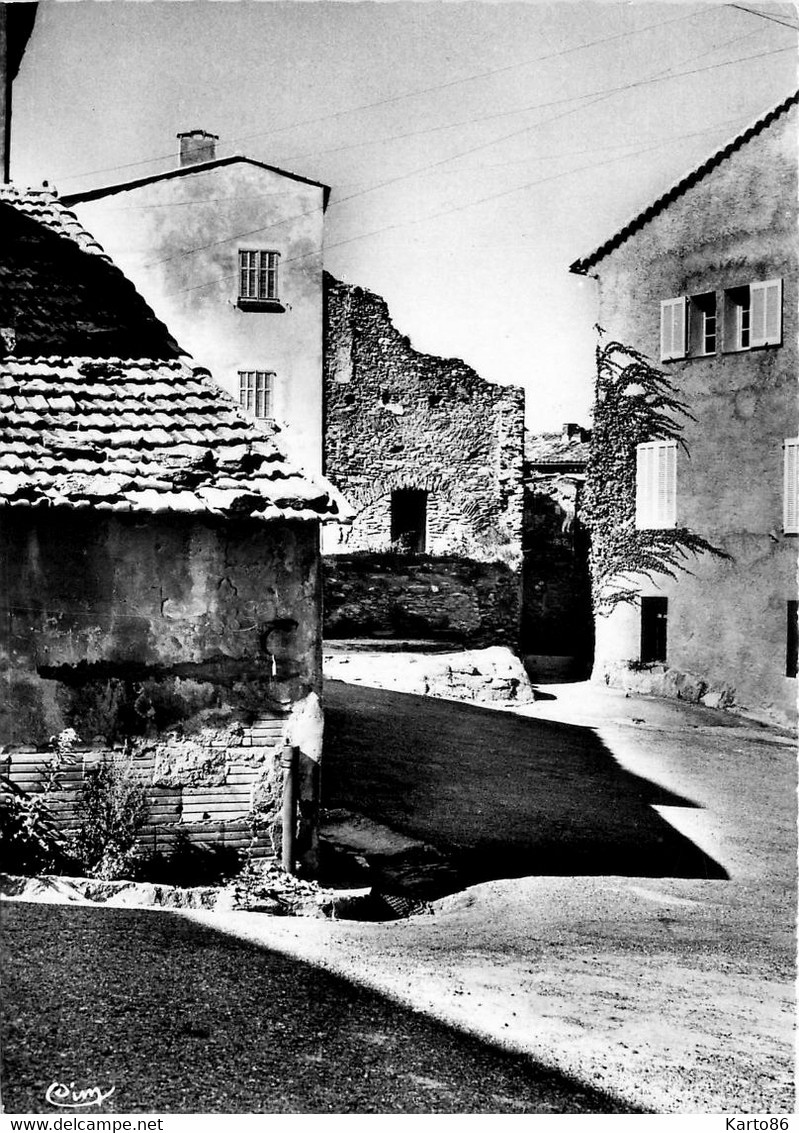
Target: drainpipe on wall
{"x": 288, "y": 762}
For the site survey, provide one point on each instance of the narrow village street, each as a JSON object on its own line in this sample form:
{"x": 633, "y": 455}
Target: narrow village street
{"x": 399, "y": 503}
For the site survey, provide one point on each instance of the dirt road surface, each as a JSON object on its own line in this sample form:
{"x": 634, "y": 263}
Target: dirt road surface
{"x": 628, "y": 928}
{"x": 673, "y": 993}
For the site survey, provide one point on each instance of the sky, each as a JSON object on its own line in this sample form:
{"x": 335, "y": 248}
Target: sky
{"x": 474, "y": 150}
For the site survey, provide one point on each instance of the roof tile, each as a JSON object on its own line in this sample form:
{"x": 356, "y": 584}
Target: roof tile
{"x": 145, "y": 436}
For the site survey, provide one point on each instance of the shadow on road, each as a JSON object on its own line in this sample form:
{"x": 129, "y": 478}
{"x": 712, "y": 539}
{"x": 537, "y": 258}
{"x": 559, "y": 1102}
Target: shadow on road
{"x": 500, "y": 795}
{"x": 179, "y": 1018}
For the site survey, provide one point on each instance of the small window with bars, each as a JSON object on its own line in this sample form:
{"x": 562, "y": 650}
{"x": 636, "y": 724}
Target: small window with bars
{"x": 256, "y": 392}
{"x": 258, "y": 276}
{"x": 656, "y": 485}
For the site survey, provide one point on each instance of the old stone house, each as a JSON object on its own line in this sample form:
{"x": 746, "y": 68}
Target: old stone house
{"x": 159, "y": 553}
{"x": 228, "y": 253}
{"x": 430, "y": 456}
{"x": 704, "y": 283}
{"x": 557, "y": 622}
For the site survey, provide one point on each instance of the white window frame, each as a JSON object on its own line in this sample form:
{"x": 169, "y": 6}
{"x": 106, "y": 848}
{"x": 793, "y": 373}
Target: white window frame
{"x": 673, "y": 328}
{"x": 258, "y": 275}
{"x": 753, "y": 315}
{"x": 790, "y": 486}
{"x": 765, "y": 320}
{"x": 702, "y": 315}
{"x": 656, "y": 485}
{"x": 257, "y": 393}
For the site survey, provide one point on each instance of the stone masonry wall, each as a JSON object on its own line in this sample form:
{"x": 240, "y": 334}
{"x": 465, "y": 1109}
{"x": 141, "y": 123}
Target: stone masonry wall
{"x": 438, "y": 597}
{"x": 396, "y": 418}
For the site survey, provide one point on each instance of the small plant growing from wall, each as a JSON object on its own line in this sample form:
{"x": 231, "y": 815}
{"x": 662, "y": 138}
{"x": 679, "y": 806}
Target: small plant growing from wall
{"x": 635, "y": 403}
{"x": 112, "y": 808}
{"x": 30, "y": 841}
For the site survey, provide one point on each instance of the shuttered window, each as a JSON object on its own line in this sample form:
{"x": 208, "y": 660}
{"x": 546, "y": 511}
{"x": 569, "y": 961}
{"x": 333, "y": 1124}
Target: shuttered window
{"x": 673, "y": 327}
{"x": 656, "y": 485}
{"x": 790, "y": 492}
{"x": 766, "y": 313}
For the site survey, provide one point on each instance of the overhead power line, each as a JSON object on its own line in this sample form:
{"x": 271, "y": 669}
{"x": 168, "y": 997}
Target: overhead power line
{"x": 411, "y": 94}
{"x": 596, "y": 96}
{"x": 536, "y": 125}
{"x": 765, "y": 16}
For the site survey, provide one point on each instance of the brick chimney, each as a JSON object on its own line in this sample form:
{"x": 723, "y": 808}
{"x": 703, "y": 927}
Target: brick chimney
{"x": 197, "y": 146}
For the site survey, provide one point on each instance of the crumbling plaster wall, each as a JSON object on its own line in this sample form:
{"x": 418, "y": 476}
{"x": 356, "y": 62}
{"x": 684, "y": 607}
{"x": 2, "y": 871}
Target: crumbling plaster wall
{"x": 396, "y": 418}
{"x": 727, "y": 618}
{"x": 174, "y": 637}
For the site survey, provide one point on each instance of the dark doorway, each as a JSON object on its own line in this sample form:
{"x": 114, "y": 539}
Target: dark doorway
{"x": 654, "y": 629}
{"x": 792, "y": 643}
{"x": 409, "y": 519}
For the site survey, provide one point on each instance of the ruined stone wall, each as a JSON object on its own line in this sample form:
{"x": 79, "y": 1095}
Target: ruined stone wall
{"x": 193, "y": 645}
{"x": 726, "y": 617}
{"x": 395, "y": 418}
{"x": 436, "y": 597}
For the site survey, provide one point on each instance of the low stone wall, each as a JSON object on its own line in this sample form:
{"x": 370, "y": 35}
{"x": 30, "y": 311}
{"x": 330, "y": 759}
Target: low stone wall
{"x": 662, "y": 680}
{"x": 492, "y": 676}
{"x": 425, "y": 596}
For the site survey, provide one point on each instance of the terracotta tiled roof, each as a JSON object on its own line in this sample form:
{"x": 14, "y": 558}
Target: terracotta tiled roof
{"x": 44, "y": 205}
{"x": 60, "y": 294}
{"x": 581, "y": 267}
{"x": 554, "y": 448}
{"x": 142, "y": 436}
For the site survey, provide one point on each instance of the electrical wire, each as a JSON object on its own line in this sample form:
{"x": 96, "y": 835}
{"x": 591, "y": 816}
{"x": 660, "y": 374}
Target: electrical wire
{"x": 599, "y": 97}
{"x": 410, "y": 94}
{"x": 764, "y": 16}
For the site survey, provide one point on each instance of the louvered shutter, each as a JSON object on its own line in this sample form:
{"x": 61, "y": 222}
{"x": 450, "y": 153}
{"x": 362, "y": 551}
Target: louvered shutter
{"x": 666, "y": 506}
{"x": 790, "y": 494}
{"x": 643, "y": 486}
{"x": 766, "y": 319}
{"x": 656, "y": 485}
{"x": 673, "y": 325}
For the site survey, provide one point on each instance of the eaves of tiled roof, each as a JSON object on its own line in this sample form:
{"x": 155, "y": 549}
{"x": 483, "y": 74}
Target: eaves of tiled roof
{"x": 553, "y": 450}
{"x": 143, "y": 436}
{"x": 186, "y": 171}
{"x": 61, "y": 293}
{"x": 44, "y": 206}
{"x": 582, "y": 266}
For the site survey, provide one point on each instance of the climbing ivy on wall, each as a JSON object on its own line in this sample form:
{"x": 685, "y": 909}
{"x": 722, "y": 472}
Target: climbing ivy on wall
{"x": 635, "y": 402}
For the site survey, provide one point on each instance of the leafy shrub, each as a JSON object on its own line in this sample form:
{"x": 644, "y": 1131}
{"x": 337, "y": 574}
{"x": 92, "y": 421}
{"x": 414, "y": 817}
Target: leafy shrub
{"x": 190, "y": 863}
{"x": 29, "y": 839}
{"x": 112, "y": 808}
